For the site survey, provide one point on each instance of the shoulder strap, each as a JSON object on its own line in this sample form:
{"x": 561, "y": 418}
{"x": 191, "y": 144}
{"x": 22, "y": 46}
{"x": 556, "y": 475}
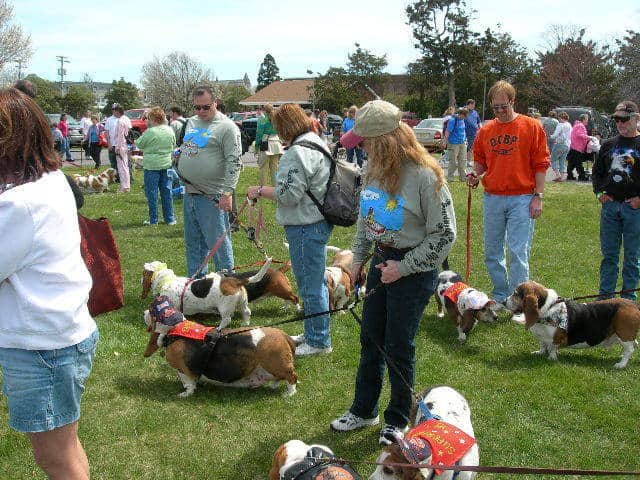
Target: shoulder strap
{"x": 318, "y": 148}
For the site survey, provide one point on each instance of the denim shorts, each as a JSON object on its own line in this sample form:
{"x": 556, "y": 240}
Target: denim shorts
{"x": 43, "y": 387}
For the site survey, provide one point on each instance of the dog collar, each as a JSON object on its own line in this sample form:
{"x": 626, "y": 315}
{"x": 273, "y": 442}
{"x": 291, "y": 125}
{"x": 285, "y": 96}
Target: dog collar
{"x": 557, "y": 315}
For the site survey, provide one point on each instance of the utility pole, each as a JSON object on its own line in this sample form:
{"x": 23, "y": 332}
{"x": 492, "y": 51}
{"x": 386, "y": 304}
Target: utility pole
{"x": 19, "y": 62}
{"x": 61, "y": 71}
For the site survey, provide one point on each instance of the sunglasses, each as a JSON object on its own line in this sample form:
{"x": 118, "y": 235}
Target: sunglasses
{"x": 207, "y": 107}
{"x": 497, "y": 108}
{"x": 620, "y": 119}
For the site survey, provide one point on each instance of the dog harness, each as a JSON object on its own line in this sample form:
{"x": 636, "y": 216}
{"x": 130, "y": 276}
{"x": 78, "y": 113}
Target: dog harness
{"x": 189, "y": 329}
{"x": 317, "y": 465}
{"x": 465, "y": 297}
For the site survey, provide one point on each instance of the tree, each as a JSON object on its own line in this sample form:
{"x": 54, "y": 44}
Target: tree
{"x": 232, "y": 95}
{"x": 334, "y": 90}
{"x": 48, "y": 96}
{"x": 576, "y": 72}
{"x": 77, "y": 100}
{"x": 171, "y": 80}
{"x": 367, "y": 69}
{"x": 268, "y": 72}
{"x": 15, "y": 45}
{"x": 442, "y": 34}
{"x": 628, "y": 61}
{"x": 124, "y": 93}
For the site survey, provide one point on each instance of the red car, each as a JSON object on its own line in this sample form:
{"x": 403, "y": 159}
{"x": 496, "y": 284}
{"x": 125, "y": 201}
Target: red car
{"x": 410, "y": 119}
{"x": 138, "y": 117}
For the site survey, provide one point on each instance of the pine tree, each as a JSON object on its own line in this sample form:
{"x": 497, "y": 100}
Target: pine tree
{"x": 268, "y": 73}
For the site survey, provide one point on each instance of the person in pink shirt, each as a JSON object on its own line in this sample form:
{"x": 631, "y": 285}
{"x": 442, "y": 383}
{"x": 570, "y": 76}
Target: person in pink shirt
{"x": 577, "y": 151}
{"x": 64, "y": 129}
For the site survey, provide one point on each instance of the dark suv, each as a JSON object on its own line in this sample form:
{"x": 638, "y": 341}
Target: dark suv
{"x": 248, "y": 129}
{"x": 597, "y": 121}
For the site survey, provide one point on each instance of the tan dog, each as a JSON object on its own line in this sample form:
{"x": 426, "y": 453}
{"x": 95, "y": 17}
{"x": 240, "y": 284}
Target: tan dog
{"x": 96, "y": 183}
{"x": 558, "y": 323}
{"x": 244, "y": 358}
{"x": 338, "y": 277}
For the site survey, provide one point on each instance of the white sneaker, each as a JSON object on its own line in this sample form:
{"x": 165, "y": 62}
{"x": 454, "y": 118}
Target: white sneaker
{"x": 389, "y": 433}
{"x": 172, "y": 223}
{"x": 298, "y": 339}
{"x": 518, "y": 318}
{"x": 306, "y": 349}
{"x": 348, "y": 421}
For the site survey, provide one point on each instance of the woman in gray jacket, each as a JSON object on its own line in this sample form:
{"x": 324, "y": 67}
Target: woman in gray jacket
{"x": 300, "y": 169}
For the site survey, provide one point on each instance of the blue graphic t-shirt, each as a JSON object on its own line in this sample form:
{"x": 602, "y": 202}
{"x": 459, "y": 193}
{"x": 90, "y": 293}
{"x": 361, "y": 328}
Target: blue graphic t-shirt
{"x": 383, "y": 214}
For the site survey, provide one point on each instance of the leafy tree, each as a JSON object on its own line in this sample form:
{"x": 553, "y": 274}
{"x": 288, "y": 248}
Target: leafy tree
{"x": 232, "y": 95}
{"x": 48, "y": 96}
{"x": 576, "y": 72}
{"x": 268, "y": 73}
{"x": 122, "y": 92}
{"x": 628, "y": 61}
{"x": 334, "y": 90}
{"x": 15, "y": 45}
{"x": 442, "y": 34}
{"x": 367, "y": 69}
{"x": 171, "y": 80}
{"x": 77, "y": 100}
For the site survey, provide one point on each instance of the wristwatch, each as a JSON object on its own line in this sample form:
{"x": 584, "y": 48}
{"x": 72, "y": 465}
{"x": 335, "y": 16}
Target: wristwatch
{"x": 259, "y": 191}
{"x": 540, "y": 195}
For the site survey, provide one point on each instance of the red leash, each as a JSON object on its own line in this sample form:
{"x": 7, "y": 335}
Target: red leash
{"x": 468, "y": 235}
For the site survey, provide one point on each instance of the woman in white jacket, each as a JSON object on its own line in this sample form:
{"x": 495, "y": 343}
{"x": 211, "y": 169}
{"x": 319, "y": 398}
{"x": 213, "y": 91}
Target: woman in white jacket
{"x": 47, "y": 336}
{"x": 561, "y": 139}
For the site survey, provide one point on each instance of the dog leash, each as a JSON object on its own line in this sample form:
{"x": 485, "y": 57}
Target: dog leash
{"x": 468, "y": 232}
{"x": 619, "y": 292}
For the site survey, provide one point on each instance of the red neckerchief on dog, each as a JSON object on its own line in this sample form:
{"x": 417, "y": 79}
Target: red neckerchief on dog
{"x": 443, "y": 442}
{"x": 189, "y": 329}
{"x": 453, "y": 292}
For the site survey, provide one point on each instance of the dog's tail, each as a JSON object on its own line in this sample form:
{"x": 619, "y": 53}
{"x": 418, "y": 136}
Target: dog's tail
{"x": 286, "y": 266}
{"x": 261, "y": 273}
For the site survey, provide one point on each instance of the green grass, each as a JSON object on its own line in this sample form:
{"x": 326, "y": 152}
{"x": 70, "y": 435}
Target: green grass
{"x": 527, "y": 411}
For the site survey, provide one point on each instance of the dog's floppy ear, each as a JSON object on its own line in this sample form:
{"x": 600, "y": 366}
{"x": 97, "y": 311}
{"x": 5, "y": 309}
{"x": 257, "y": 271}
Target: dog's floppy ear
{"x": 530, "y": 308}
{"x": 278, "y": 461}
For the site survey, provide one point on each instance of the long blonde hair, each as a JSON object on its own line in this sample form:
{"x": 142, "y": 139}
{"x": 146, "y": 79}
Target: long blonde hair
{"x": 386, "y": 153}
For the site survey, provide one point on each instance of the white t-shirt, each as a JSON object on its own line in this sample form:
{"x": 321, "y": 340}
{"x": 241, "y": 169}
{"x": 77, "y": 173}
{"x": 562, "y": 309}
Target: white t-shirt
{"x": 85, "y": 123}
{"x": 44, "y": 283}
{"x": 111, "y": 126}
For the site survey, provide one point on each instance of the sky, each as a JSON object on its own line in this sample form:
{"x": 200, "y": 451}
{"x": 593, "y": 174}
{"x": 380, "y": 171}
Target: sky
{"x": 113, "y": 39}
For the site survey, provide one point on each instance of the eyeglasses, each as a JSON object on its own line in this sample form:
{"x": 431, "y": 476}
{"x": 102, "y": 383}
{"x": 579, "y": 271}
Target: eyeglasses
{"x": 497, "y": 108}
{"x": 619, "y": 119}
{"x": 206, "y": 107}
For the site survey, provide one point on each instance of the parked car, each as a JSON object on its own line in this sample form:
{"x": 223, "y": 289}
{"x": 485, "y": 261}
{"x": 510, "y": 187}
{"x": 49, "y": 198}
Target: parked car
{"x": 333, "y": 122}
{"x": 239, "y": 117}
{"x": 75, "y": 131}
{"x": 429, "y": 133}
{"x": 248, "y": 129}
{"x": 138, "y": 117}
{"x": 410, "y": 118}
{"x": 597, "y": 121}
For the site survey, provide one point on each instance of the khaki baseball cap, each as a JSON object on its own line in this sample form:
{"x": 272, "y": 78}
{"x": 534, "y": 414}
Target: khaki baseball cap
{"x": 375, "y": 118}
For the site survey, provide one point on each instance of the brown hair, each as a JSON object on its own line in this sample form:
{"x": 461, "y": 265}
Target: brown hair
{"x": 26, "y": 142}
{"x": 156, "y": 115}
{"x": 386, "y": 153}
{"x": 563, "y": 115}
{"x": 502, "y": 86}
{"x": 290, "y": 122}
{"x": 268, "y": 111}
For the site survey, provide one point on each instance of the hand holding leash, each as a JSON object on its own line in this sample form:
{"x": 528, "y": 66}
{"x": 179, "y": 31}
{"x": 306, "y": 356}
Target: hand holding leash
{"x": 473, "y": 180}
{"x": 390, "y": 271}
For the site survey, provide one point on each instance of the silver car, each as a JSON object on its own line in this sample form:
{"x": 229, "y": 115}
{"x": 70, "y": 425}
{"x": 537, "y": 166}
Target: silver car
{"x": 429, "y": 133}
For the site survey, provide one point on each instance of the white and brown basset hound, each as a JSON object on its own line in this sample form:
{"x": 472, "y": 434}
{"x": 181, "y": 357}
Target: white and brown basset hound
{"x": 295, "y": 460}
{"x": 212, "y": 294}
{"x": 95, "y": 183}
{"x": 558, "y": 323}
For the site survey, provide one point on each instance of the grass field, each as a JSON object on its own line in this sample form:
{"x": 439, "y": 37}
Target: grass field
{"x": 527, "y": 411}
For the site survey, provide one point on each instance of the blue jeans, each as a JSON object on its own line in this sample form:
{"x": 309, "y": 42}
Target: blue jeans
{"x": 155, "y": 180}
{"x": 390, "y": 319}
{"x": 359, "y": 155}
{"x": 43, "y": 387}
{"x": 204, "y": 224}
{"x": 619, "y": 224}
{"x": 66, "y": 148}
{"x": 558, "y": 157}
{"x": 506, "y": 219}
{"x": 308, "y": 257}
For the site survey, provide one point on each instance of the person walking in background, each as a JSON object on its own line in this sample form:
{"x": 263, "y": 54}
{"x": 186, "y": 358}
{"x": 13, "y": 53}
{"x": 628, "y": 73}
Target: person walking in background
{"x": 157, "y": 144}
{"x": 472, "y": 123}
{"x": 347, "y": 124}
{"x": 577, "y": 150}
{"x": 92, "y": 139}
{"x": 456, "y": 140}
{"x": 177, "y": 122}
{"x": 511, "y": 158}
{"x": 549, "y": 125}
{"x": 267, "y": 146}
{"x": 406, "y": 216}
{"x": 58, "y": 140}
{"x": 322, "y": 119}
{"x": 64, "y": 129}
{"x": 209, "y": 164}
{"x": 561, "y": 141}
{"x": 616, "y": 183}
{"x": 47, "y": 336}
{"x": 303, "y": 169}
{"x": 121, "y": 149}
{"x": 85, "y": 123}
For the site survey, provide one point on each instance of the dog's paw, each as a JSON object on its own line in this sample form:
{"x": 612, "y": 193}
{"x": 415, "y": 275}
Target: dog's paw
{"x": 290, "y": 391}
{"x": 620, "y": 365}
{"x": 542, "y": 351}
{"x": 185, "y": 394}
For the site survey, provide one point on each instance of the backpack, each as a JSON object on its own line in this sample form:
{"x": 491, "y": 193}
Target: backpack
{"x": 183, "y": 130}
{"x": 341, "y": 201}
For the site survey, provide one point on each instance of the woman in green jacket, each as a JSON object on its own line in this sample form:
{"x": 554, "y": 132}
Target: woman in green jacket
{"x": 268, "y": 147}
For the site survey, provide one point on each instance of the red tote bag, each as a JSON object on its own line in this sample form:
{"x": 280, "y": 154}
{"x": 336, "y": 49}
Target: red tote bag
{"x": 100, "y": 254}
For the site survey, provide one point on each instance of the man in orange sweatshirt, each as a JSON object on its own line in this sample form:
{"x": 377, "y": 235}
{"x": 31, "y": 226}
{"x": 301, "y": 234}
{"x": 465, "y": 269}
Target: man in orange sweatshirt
{"x": 511, "y": 159}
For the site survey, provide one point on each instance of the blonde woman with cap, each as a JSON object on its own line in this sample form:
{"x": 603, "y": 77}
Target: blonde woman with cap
{"x": 268, "y": 147}
{"x": 407, "y": 218}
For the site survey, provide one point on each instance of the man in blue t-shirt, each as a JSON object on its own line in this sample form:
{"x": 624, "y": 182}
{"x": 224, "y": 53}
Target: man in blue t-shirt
{"x": 472, "y": 125}
{"x": 456, "y": 138}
